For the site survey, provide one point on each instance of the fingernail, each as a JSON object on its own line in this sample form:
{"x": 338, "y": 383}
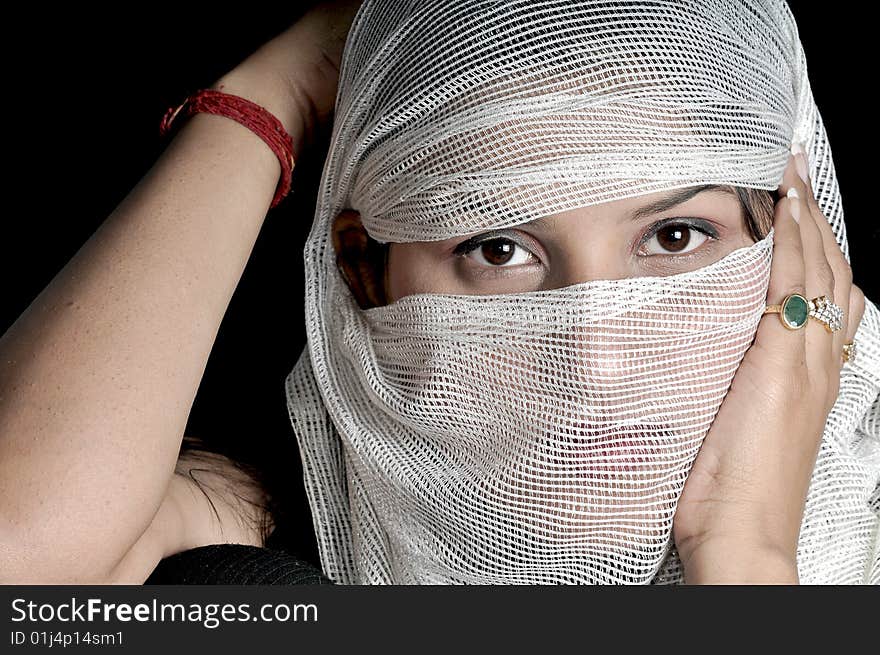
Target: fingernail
{"x": 795, "y": 206}
{"x": 800, "y": 161}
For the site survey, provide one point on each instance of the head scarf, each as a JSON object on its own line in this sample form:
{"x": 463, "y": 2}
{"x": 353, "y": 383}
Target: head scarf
{"x": 545, "y": 437}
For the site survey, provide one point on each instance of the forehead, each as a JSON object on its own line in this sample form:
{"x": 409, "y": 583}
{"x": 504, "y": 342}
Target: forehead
{"x": 512, "y": 111}
{"x": 646, "y": 205}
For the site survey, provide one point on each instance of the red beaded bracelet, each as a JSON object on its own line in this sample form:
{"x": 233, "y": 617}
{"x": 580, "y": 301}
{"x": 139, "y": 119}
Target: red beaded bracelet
{"x": 252, "y": 116}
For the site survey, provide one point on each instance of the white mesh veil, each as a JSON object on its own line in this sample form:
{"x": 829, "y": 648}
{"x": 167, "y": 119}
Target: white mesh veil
{"x": 545, "y": 437}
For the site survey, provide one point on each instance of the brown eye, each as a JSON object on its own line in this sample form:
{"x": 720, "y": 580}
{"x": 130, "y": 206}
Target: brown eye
{"x": 674, "y": 239}
{"x": 499, "y": 252}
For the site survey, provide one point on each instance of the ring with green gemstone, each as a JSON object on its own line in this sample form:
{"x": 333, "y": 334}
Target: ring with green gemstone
{"x": 793, "y": 312}
{"x": 796, "y": 310}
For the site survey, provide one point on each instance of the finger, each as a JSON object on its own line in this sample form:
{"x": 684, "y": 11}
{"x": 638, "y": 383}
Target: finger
{"x": 856, "y": 312}
{"x": 839, "y": 266}
{"x": 786, "y": 277}
{"x": 822, "y": 361}
{"x": 818, "y": 276}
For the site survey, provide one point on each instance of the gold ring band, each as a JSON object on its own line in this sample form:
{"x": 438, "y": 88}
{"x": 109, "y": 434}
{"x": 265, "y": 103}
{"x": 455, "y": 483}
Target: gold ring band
{"x": 849, "y": 352}
{"x": 825, "y": 311}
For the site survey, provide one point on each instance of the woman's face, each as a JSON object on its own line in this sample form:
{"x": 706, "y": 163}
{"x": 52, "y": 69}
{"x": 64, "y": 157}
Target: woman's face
{"x": 656, "y": 234}
{"x": 577, "y": 432}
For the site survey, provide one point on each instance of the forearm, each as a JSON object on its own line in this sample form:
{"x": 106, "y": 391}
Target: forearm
{"x": 98, "y": 376}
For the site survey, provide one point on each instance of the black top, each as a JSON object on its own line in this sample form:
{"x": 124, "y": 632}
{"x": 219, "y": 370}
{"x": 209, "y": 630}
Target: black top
{"x": 237, "y": 564}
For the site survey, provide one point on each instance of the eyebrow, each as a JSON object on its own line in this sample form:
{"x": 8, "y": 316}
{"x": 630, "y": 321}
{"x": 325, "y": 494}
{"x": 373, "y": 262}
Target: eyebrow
{"x": 667, "y": 202}
{"x": 676, "y": 198}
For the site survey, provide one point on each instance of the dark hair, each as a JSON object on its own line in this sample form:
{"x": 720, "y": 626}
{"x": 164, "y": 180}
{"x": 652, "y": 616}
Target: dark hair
{"x": 759, "y": 207}
{"x": 197, "y": 458}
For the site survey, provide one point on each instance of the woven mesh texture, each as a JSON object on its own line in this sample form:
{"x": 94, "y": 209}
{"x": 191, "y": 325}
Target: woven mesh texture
{"x": 545, "y": 437}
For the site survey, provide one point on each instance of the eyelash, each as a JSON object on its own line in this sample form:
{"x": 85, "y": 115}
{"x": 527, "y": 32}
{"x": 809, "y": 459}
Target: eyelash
{"x": 466, "y": 247}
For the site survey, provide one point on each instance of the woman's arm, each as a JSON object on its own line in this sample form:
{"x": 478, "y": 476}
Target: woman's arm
{"x": 98, "y": 375}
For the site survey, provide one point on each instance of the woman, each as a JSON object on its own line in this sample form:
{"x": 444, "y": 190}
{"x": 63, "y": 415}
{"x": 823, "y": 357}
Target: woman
{"x": 70, "y": 461}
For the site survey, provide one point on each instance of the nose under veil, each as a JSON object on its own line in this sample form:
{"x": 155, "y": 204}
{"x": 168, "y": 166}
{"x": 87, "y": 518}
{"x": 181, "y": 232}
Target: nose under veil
{"x": 545, "y": 437}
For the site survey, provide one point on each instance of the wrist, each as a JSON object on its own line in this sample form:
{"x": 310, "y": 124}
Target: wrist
{"x": 274, "y": 97}
{"x": 739, "y": 562}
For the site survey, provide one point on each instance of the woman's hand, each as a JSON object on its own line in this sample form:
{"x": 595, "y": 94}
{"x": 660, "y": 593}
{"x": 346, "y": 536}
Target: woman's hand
{"x": 296, "y": 74}
{"x": 739, "y": 515}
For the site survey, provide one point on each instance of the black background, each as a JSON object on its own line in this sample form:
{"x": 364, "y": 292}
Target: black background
{"x": 86, "y": 89}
